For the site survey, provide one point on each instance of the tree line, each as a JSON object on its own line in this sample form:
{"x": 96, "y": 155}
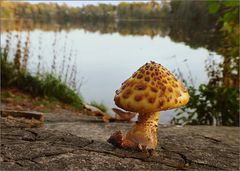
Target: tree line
{"x": 53, "y": 12}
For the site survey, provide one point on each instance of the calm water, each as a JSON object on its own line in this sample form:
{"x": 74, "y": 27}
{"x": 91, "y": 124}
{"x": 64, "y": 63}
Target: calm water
{"x": 104, "y": 61}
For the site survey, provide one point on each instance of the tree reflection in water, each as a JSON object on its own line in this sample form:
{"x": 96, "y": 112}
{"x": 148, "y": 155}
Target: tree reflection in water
{"x": 215, "y": 103}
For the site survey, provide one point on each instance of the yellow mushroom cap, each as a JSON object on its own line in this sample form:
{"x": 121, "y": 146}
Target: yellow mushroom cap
{"x": 151, "y": 88}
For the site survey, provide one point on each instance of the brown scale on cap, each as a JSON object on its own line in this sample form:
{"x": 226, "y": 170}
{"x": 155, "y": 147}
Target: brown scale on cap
{"x": 161, "y": 94}
{"x": 170, "y": 89}
{"x": 163, "y": 88}
{"x": 127, "y": 93}
{"x": 175, "y": 85}
{"x": 147, "y": 67}
{"x": 123, "y": 86}
{"x": 138, "y": 98}
{"x": 139, "y": 76}
{"x": 164, "y": 81}
{"x": 117, "y": 92}
{"x": 159, "y": 83}
{"x": 147, "y": 79}
{"x": 142, "y": 70}
{"x": 154, "y": 89}
{"x": 161, "y": 103}
{"x": 140, "y": 87}
{"x": 130, "y": 84}
{"x": 152, "y": 83}
{"x": 134, "y": 75}
{"x": 151, "y": 99}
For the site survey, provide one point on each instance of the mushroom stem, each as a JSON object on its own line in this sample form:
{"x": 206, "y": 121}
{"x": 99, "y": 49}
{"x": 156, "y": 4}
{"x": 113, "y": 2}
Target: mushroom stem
{"x": 144, "y": 133}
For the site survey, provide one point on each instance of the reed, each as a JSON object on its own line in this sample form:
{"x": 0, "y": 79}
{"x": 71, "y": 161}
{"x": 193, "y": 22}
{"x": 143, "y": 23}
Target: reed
{"x": 62, "y": 69}
{"x": 18, "y": 53}
{"x": 68, "y": 65}
{"x": 8, "y": 44}
{"x": 26, "y": 52}
{"x": 15, "y": 74}
{"x": 39, "y": 53}
{"x": 54, "y": 44}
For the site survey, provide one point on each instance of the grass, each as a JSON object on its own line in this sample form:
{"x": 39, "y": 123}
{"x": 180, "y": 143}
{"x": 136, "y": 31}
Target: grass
{"x": 100, "y": 106}
{"x": 16, "y": 99}
{"x": 46, "y": 85}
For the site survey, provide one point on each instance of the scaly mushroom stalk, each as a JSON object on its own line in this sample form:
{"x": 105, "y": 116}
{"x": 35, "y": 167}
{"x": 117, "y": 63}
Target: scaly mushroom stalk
{"x": 144, "y": 132}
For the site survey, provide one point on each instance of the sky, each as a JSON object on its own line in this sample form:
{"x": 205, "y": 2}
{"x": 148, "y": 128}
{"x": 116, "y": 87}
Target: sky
{"x": 79, "y": 3}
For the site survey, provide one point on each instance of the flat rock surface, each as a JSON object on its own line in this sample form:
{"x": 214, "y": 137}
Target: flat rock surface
{"x": 79, "y": 142}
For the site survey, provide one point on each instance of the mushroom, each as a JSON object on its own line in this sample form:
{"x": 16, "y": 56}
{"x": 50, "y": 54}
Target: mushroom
{"x": 151, "y": 89}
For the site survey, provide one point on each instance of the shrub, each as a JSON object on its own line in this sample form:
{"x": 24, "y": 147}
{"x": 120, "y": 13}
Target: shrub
{"x": 210, "y": 105}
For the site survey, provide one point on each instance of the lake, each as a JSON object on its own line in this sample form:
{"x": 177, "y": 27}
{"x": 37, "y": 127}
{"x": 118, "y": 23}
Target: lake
{"x": 103, "y": 60}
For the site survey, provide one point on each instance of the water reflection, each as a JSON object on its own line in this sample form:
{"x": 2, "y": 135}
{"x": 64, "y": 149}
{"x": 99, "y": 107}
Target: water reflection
{"x": 101, "y": 55}
{"x": 149, "y": 28}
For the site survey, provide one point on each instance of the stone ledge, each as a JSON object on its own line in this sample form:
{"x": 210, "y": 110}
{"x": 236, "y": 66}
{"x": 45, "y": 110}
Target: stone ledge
{"x": 190, "y": 147}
